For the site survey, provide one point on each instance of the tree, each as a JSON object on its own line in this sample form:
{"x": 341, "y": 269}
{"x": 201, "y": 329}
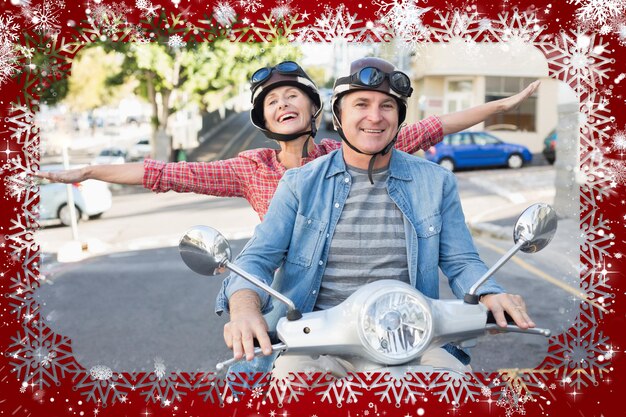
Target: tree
{"x": 87, "y": 87}
{"x": 207, "y": 73}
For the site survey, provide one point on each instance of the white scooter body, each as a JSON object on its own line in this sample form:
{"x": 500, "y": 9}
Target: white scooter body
{"x": 387, "y": 322}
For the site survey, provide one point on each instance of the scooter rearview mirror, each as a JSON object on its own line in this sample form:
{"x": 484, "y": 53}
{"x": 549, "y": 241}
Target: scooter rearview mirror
{"x": 533, "y": 230}
{"x": 535, "y": 227}
{"x": 204, "y": 250}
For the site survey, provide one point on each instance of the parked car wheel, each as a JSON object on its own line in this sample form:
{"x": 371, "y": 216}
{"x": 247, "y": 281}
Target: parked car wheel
{"x": 447, "y": 163}
{"x": 64, "y": 214}
{"x": 515, "y": 161}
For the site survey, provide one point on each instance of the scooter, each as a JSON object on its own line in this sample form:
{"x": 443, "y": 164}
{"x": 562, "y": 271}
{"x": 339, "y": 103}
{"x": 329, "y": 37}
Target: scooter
{"x": 387, "y": 322}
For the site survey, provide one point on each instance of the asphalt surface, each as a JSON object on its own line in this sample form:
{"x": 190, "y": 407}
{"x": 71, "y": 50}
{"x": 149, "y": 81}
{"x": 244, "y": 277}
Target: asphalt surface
{"x": 116, "y": 276}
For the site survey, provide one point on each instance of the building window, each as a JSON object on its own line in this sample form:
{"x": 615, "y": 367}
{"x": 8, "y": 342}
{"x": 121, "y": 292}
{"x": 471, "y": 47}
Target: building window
{"x": 523, "y": 117}
{"x": 458, "y": 94}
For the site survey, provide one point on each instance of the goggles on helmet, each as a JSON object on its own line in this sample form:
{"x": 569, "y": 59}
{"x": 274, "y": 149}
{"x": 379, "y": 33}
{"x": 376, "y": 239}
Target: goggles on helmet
{"x": 373, "y": 77}
{"x": 286, "y": 67}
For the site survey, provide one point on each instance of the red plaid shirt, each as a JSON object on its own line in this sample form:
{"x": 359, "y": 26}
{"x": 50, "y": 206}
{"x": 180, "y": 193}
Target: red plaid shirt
{"x": 254, "y": 174}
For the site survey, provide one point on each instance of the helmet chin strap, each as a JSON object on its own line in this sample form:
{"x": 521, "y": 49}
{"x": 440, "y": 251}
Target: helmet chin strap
{"x": 313, "y": 132}
{"x": 293, "y": 136}
{"x": 383, "y": 151}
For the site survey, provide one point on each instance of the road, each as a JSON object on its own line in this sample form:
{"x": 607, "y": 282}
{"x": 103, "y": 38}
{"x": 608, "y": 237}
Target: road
{"x": 132, "y": 302}
{"x": 136, "y": 301}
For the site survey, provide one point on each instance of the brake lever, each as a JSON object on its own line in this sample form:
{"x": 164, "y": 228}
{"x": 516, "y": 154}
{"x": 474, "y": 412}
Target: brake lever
{"x": 514, "y": 329}
{"x": 257, "y": 351}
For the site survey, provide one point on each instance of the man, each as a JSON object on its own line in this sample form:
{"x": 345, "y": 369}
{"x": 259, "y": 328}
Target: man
{"x": 362, "y": 213}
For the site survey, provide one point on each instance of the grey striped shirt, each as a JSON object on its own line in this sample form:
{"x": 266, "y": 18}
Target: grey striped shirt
{"x": 368, "y": 243}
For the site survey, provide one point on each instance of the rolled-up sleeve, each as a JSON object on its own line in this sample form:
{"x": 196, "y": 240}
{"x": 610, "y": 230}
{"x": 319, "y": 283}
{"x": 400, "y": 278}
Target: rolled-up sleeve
{"x": 218, "y": 178}
{"x": 420, "y": 135}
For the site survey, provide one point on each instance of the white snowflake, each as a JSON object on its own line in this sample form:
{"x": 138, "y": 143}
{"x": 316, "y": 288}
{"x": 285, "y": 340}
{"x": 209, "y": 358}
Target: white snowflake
{"x": 339, "y": 25}
{"x": 455, "y": 388}
{"x": 103, "y": 386}
{"x": 282, "y": 10}
{"x": 405, "y": 18}
{"x": 213, "y": 388}
{"x": 8, "y": 29}
{"x": 456, "y": 26}
{"x": 8, "y": 61}
{"x": 21, "y": 122}
{"x": 110, "y": 18}
{"x": 224, "y": 14}
{"x": 617, "y": 171}
{"x": 257, "y": 392}
{"x": 20, "y": 299}
{"x": 40, "y": 356}
{"x": 399, "y": 390}
{"x": 101, "y": 372}
{"x": 596, "y": 231}
{"x": 347, "y": 390}
{"x": 512, "y": 402}
{"x": 620, "y": 30}
{"x": 579, "y": 60}
{"x": 43, "y": 17}
{"x": 159, "y": 368}
{"x": 170, "y": 387}
{"x": 514, "y": 28}
{"x": 176, "y": 41}
{"x": 250, "y": 5}
{"x": 599, "y": 12}
{"x": 284, "y": 391}
{"x": 148, "y": 10}
{"x": 21, "y": 236}
{"x": 17, "y": 185}
{"x": 578, "y": 352}
{"x": 619, "y": 141}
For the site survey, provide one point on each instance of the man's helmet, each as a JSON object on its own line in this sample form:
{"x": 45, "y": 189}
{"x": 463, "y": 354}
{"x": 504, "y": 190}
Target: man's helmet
{"x": 372, "y": 74}
{"x": 286, "y": 73}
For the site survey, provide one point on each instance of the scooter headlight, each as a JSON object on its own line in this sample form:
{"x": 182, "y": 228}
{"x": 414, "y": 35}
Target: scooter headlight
{"x": 395, "y": 326}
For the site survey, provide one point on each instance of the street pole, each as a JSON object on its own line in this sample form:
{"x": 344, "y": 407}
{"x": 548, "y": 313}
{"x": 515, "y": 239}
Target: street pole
{"x": 70, "y": 197}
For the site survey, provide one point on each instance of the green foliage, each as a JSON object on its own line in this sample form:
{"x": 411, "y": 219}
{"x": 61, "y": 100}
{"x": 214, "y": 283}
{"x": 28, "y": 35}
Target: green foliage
{"x": 88, "y": 87}
{"x": 217, "y": 71}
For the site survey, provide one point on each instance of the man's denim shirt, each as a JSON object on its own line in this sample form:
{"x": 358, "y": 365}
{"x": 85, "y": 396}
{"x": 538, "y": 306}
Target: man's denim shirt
{"x": 296, "y": 233}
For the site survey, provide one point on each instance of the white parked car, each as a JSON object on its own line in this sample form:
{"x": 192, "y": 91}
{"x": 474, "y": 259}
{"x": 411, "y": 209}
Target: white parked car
{"x": 140, "y": 150}
{"x": 91, "y": 198}
{"x": 110, "y": 156}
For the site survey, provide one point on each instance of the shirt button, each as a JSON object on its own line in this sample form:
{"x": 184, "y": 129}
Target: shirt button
{"x": 321, "y": 263}
{"x": 313, "y": 292}
{"x": 431, "y": 228}
{"x": 336, "y": 205}
{"x": 327, "y": 235}
{"x": 347, "y": 180}
{"x": 308, "y": 221}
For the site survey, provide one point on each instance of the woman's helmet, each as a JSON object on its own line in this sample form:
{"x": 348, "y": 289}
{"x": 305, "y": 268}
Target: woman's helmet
{"x": 286, "y": 73}
{"x": 372, "y": 74}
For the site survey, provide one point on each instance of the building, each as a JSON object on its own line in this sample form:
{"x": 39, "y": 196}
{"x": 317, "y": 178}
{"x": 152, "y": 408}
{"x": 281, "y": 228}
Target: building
{"x": 453, "y": 76}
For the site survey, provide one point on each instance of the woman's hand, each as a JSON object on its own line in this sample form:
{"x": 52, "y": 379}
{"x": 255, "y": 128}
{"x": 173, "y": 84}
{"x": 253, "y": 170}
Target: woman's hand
{"x": 67, "y": 176}
{"x": 512, "y": 102}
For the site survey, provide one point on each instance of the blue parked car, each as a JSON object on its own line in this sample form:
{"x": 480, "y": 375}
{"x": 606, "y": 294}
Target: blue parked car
{"x": 477, "y": 149}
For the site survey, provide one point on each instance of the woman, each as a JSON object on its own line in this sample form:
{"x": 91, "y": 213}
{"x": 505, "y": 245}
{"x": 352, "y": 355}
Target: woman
{"x": 287, "y": 107}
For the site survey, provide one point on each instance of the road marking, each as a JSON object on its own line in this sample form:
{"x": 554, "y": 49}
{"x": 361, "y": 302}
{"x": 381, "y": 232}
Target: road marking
{"x": 516, "y": 198}
{"x": 549, "y": 278}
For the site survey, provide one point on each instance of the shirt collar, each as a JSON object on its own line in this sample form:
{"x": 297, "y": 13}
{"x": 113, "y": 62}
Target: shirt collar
{"x": 398, "y": 165}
